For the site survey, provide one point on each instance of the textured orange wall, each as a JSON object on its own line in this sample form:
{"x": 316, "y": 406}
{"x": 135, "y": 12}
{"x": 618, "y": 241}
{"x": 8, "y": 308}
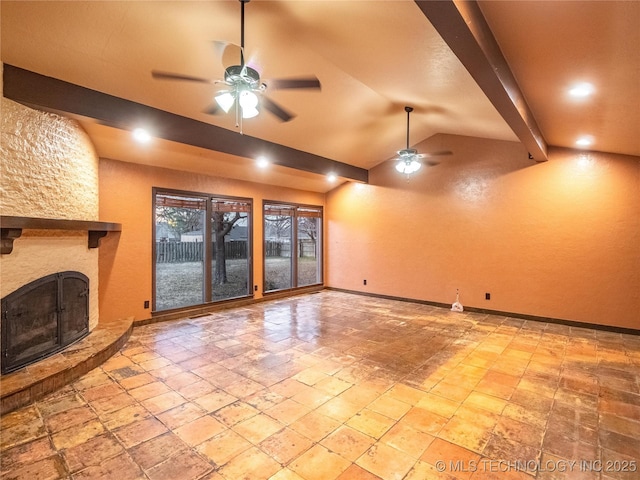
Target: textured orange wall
{"x": 559, "y": 239}
{"x": 126, "y": 197}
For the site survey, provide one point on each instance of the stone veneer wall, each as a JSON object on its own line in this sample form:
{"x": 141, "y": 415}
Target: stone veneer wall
{"x": 48, "y": 169}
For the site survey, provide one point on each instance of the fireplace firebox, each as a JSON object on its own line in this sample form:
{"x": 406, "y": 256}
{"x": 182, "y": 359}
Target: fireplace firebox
{"x": 43, "y": 317}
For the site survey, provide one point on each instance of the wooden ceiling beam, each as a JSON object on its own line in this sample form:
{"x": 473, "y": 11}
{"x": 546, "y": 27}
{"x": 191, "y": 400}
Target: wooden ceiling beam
{"x": 39, "y": 91}
{"x": 463, "y": 27}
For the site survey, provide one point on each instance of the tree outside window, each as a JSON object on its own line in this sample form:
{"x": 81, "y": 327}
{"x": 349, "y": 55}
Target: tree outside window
{"x": 201, "y": 249}
{"x": 292, "y": 246}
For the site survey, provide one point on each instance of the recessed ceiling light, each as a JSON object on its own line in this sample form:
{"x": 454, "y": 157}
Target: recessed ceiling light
{"x": 262, "y": 162}
{"x": 582, "y": 90}
{"x": 141, "y": 135}
{"x": 332, "y": 177}
{"x": 584, "y": 141}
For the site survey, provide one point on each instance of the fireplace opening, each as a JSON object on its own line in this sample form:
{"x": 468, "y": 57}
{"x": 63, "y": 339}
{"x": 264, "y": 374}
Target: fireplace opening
{"x": 43, "y": 317}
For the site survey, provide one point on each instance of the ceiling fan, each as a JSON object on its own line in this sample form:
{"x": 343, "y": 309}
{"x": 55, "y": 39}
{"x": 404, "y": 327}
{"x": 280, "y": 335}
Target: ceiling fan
{"x": 245, "y": 90}
{"x": 408, "y": 160}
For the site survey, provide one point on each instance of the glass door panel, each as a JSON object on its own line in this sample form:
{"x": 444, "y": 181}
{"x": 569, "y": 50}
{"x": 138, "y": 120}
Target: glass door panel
{"x": 309, "y": 261}
{"x": 231, "y": 259}
{"x": 179, "y": 251}
{"x": 278, "y": 235}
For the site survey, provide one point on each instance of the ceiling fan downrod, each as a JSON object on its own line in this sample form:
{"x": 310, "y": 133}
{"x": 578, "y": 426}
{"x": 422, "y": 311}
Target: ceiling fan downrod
{"x": 408, "y": 110}
{"x": 242, "y": 2}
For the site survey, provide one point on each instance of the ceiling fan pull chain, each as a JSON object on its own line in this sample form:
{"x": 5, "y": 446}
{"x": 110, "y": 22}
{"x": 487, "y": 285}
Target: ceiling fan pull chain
{"x": 238, "y": 116}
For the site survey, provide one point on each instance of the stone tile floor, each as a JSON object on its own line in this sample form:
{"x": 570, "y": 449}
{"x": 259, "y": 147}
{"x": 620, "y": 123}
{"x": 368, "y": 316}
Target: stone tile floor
{"x": 339, "y": 386}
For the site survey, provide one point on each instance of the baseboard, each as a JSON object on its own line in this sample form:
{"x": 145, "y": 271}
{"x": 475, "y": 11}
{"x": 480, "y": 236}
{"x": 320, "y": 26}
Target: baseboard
{"x": 202, "y": 310}
{"x": 523, "y": 316}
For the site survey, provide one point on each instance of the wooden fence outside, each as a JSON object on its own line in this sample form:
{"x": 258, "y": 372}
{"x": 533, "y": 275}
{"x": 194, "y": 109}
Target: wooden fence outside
{"x": 179, "y": 252}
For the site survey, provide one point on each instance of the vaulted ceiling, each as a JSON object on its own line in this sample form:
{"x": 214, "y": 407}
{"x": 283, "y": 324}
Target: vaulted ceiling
{"x": 508, "y": 80}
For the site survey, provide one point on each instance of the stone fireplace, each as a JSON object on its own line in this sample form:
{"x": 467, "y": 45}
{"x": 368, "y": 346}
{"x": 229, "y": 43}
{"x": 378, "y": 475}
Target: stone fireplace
{"x": 49, "y": 172}
{"x": 49, "y": 214}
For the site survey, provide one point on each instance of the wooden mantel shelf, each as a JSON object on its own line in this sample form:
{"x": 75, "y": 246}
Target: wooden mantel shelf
{"x": 12, "y": 228}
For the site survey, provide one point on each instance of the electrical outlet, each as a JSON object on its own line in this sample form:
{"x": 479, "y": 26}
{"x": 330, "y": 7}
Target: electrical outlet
{"x": 255, "y": 288}
{"x": 487, "y": 296}
{"x": 146, "y": 304}
{"x": 364, "y": 282}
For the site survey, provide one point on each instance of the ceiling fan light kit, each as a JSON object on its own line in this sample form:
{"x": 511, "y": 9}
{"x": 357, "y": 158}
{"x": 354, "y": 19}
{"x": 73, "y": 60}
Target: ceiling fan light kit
{"x": 243, "y": 81}
{"x": 245, "y": 90}
{"x": 407, "y": 162}
{"x": 408, "y": 157}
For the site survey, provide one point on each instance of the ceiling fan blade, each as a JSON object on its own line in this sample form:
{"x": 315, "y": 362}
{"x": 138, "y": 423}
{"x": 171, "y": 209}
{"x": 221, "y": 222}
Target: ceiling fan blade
{"x": 440, "y": 153}
{"x": 434, "y": 154}
{"x": 213, "y": 109}
{"x": 299, "y": 83}
{"x": 178, "y": 76}
{"x": 276, "y": 109}
{"x": 228, "y": 53}
{"x": 431, "y": 157}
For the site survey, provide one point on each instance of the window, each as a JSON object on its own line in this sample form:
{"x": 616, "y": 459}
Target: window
{"x": 231, "y": 253}
{"x": 309, "y": 254}
{"x": 179, "y": 255}
{"x": 202, "y": 249}
{"x": 292, "y": 246}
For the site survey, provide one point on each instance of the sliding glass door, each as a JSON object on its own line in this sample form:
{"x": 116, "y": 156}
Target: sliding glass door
{"x": 278, "y": 238}
{"x": 309, "y": 223}
{"x": 202, "y": 249}
{"x": 179, "y": 253}
{"x": 231, "y": 254}
{"x": 292, "y": 246}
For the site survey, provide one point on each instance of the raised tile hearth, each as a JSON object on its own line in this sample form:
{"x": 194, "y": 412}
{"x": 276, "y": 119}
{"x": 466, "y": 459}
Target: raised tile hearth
{"x": 46, "y": 376}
